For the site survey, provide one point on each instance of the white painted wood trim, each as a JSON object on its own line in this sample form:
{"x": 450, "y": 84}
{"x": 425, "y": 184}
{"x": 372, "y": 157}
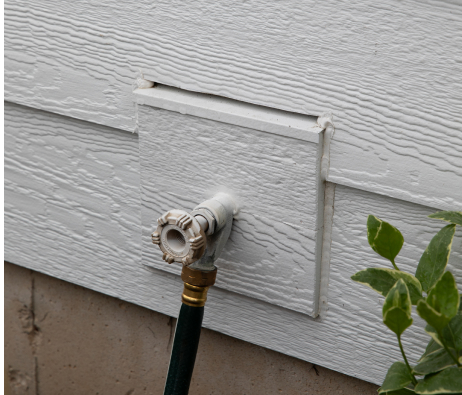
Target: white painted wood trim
{"x": 217, "y": 108}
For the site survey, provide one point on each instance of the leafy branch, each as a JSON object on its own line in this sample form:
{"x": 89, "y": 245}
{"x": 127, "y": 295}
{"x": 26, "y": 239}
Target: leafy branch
{"x": 433, "y": 291}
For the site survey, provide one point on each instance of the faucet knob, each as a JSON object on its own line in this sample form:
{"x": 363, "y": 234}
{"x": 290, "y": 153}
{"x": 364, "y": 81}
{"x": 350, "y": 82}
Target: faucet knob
{"x": 180, "y": 237}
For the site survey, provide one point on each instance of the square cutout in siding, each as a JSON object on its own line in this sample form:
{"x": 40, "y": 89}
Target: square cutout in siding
{"x": 193, "y": 145}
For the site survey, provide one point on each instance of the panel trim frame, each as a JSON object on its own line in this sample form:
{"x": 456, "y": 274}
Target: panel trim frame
{"x": 222, "y": 109}
{"x": 274, "y": 121}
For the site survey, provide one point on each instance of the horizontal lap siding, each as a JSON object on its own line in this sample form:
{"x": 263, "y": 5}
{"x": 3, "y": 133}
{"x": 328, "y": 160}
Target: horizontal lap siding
{"x": 389, "y": 72}
{"x": 72, "y": 211}
{"x": 71, "y": 196}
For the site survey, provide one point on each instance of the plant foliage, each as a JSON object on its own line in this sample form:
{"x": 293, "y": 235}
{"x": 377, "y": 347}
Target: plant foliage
{"x": 433, "y": 290}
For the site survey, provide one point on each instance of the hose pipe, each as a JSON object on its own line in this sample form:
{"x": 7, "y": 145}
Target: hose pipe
{"x": 188, "y": 329}
{"x": 196, "y": 240}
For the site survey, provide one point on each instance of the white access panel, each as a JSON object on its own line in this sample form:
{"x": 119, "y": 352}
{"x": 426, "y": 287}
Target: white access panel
{"x": 194, "y": 145}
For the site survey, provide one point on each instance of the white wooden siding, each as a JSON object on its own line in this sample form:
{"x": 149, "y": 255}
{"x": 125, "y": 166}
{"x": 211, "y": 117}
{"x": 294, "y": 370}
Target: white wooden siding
{"x": 389, "y": 72}
{"x": 72, "y": 211}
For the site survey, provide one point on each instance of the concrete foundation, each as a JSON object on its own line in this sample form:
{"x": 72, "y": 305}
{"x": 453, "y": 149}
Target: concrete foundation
{"x": 64, "y": 339}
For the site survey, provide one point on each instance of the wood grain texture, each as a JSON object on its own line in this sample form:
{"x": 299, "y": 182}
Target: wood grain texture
{"x": 271, "y": 254}
{"x": 66, "y": 192}
{"x": 389, "y": 72}
{"x": 73, "y": 212}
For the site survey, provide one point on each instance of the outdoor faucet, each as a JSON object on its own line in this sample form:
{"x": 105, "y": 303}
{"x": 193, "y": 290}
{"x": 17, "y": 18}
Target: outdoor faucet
{"x": 195, "y": 239}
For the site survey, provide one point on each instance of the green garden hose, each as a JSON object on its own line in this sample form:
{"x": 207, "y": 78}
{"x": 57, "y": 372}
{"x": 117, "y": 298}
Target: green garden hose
{"x": 187, "y": 334}
{"x": 188, "y": 329}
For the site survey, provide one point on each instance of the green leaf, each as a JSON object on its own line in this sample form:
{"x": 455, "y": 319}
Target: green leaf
{"x": 398, "y": 377}
{"x": 432, "y": 346}
{"x": 444, "y": 296}
{"x": 433, "y": 317}
{"x": 434, "y": 334}
{"x": 442, "y": 303}
{"x": 454, "y": 217}
{"x": 382, "y": 280}
{"x": 384, "y": 238}
{"x": 434, "y": 362}
{"x": 397, "y": 320}
{"x": 397, "y": 308}
{"x": 449, "y": 381}
{"x": 398, "y": 296}
{"x": 435, "y": 257}
{"x": 402, "y": 391}
{"x": 452, "y": 333}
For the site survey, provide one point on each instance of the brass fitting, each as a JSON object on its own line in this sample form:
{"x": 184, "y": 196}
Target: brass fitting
{"x": 194, "y": 296}
{"x": 196, "y": 285}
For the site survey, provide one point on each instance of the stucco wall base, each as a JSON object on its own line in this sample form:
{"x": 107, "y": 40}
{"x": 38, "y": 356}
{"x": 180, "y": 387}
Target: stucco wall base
{"x": 64, "y": 339}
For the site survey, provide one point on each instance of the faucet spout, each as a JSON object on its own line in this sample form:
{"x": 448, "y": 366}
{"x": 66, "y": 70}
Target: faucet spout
{"x": 222, "y": 208}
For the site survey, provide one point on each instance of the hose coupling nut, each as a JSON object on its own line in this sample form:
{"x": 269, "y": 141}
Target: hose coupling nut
{"x": 196, "y": 285}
